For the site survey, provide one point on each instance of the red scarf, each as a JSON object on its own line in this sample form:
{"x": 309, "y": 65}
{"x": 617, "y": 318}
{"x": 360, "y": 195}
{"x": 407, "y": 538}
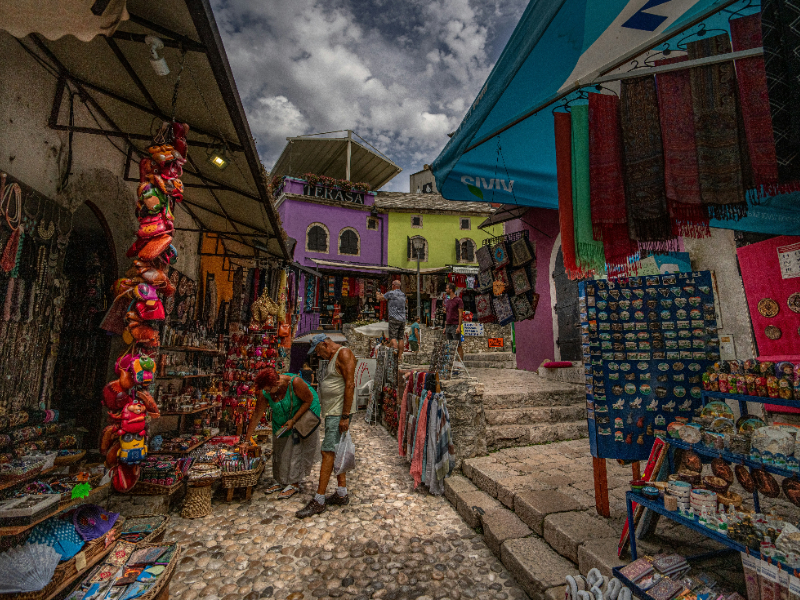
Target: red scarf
{"x": 563, "y": 129}
{"x": 607, "y": 187}
{"x": 681, "y": 176}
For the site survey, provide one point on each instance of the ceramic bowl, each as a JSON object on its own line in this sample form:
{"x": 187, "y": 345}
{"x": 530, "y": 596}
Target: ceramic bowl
{"x": 729, "y": 498}
{"x": 722, "y": 469}
{"x": 715, "y": 484}
{"x": 650, "y": 492}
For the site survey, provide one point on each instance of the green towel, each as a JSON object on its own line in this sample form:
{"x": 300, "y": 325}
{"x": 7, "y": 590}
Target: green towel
{"x": 589, "y": 252}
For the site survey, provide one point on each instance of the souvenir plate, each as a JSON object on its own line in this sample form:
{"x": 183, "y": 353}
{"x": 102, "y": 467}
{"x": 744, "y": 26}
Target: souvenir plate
{"x": 767, "y": 307}
{"x": 794, "y": 302}
{"x": 772, "y": 332}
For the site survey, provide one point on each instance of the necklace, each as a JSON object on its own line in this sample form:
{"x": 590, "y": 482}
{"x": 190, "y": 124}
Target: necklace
{"x": 15, "y": 191}
{"x": 46, "y": 232}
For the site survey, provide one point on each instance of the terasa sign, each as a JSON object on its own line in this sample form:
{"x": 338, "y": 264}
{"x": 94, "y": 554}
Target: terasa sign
{"x": 327, "y": 193}
{"x": 476, "y": 185}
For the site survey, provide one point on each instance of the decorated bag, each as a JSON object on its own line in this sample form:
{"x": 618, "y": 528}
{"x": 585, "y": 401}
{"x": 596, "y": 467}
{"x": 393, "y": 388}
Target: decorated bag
{"x": 484, "y": 257}
{"x": 502, "y": 309}
{"x": 500, "y": 255}
{"x": 521, "y": 253}
{"x": 483, "y": 308}
{"x": 519, "y": 280}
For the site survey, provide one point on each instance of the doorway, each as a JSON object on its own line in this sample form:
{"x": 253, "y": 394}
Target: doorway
{"x": 566, "y": 309}
{"x": 83, "y": 350}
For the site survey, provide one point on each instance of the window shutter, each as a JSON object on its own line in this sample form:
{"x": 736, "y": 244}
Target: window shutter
{"x": 408, "y": 247}
{"x": 458, "y": 251}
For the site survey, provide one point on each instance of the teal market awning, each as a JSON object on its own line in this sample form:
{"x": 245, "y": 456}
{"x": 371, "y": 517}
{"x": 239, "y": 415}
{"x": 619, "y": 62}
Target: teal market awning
{"x": 504, "y": 149}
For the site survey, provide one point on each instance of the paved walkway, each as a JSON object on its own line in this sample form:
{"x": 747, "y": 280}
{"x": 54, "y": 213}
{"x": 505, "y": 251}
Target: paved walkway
{"x": 391, "y": 542}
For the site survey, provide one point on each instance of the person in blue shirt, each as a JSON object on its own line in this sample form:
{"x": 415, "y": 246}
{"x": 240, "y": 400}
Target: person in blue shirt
{"x": 396, "y": 303}
{"x": 415, "y": 336}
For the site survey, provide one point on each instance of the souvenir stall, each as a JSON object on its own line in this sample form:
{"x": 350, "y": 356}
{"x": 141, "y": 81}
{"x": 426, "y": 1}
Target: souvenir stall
{"x": 422, "y": 427}
{"x": 506, "y": 280}
{"x": 348, "y": 298}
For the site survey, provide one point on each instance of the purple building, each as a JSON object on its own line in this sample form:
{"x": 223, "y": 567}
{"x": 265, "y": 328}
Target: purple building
{"x": 341, "y": 237}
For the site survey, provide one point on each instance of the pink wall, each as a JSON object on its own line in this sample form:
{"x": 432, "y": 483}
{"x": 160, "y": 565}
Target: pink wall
{"x": 535, "y": 337}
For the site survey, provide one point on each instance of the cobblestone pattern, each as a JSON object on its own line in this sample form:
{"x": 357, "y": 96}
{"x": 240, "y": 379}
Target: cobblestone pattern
{"x": 390, "y": 542}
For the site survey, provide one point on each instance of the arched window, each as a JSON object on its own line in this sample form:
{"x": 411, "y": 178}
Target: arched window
{"x": 349, "y": 242}
{"x": 412, "y": 248}
{"x": 317, "y": 238}
{"x": 465, "y": 250}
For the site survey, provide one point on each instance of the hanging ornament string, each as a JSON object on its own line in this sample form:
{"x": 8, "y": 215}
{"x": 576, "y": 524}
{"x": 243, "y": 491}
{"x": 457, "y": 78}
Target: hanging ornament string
{"x": 46, "y": 232}
{"x": 177, "y": 84}
{"x": 5, "y": 204}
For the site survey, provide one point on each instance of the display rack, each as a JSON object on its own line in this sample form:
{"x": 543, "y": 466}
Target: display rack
{"x": 191, "y": 349}
{"x": 172, "y": 413}
{"x": 693, "y": 523}
{"x": 34, "y": 475}
{"x": 186, "y": 376}
{"x": 187, "y": 451}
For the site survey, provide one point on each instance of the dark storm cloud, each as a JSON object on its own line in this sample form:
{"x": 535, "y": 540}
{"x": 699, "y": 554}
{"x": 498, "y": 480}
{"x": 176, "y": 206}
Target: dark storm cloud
{"x": 399, "y": 73}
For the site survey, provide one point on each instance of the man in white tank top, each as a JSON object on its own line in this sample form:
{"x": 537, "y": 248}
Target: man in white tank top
{"x": 336, "y": 396}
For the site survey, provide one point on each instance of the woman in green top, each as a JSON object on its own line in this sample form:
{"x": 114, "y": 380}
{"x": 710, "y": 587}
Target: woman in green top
{"x": 288, "y": 397}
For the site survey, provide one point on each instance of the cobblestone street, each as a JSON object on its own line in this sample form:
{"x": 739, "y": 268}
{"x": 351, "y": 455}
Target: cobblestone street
{"x": 391, "y": 542}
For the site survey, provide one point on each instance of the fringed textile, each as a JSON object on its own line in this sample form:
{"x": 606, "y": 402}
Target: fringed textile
{"x": 588, "y": 252}
{"x": 719, "y": 159}
{"x": 780, "y": 28}
{"x": 648, "y": 219}
{"x": 563, "y": 131}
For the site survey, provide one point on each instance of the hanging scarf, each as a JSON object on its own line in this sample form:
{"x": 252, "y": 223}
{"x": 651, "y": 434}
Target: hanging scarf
{"x": 418, "y": 450}
{"x": 719, "y": 160}
{"x": 781, "y": 34}
{"x": 588, "y": 251}
{"x": 648, "y": 219}
{"x": 563, "y": 130}
{"x": 681, "y": 176}
{"x": 609, "y": 214}
{"x": 401, "y": 423}
{"x": 757, "y": 119}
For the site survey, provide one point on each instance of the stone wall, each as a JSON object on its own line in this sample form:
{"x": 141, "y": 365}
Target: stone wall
{"x": 467, "y": 417}
{"x": 360, "y": 345}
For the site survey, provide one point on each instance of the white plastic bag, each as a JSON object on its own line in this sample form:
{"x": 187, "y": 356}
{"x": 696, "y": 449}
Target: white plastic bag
{"x": 345, "y": 459}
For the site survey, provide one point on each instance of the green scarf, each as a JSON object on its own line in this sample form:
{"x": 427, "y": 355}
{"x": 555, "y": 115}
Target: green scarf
{"x": 589, "y": 252}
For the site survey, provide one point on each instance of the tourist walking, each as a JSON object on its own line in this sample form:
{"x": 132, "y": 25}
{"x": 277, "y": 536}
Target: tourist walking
{"x": 288, "y": 397}
{"x": 415, "y": 336}
{"x": 453, "y": 317}
{"x": 337, "y": 395}
{"x": 396, "y": 304}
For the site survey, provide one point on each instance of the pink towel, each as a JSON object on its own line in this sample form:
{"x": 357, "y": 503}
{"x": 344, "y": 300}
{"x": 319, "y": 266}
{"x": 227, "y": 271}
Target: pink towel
{"x": 401, "y": 426}
{"x": 419, "y": 444}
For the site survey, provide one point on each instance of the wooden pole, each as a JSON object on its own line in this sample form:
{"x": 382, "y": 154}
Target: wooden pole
{"x": 636, "y": 471}
{"x": 601, "y": 486}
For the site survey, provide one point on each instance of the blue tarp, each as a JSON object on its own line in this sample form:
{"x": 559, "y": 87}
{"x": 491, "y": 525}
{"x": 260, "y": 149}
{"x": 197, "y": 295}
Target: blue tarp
{"x": 558, "y": 46}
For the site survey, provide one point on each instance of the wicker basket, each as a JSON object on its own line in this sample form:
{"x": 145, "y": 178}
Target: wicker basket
{"x": 66, "y": 570}
{"x": 163, "y": 580}
{"x": 241, "y": 479}
{"x": 157, "y": 534}
{"x": 68, "y": 460}
{"x": 197, "y": 503}
{"x": 145, "y": 488}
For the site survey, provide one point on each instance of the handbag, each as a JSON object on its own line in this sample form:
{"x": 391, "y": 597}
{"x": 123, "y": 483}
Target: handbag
{"x": 284, "y": 330}
{"x": 306, "y": 424}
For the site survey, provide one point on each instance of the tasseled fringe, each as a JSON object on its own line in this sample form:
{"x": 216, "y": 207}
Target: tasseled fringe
{"x": 758, "y": 194}
{"x": 590, "y": 258}
{"x": 652, "y": 230}
{"x": 727, "y": 212}
{"x": 660, "y": 247}
{"x": 689, "y": 220}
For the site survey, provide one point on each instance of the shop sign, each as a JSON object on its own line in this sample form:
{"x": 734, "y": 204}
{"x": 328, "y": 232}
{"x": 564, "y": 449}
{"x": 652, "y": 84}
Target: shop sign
{"x": 473, "y": 329}
{"x": 496, "y": 342}
{"x": 789, "y": 259}
{"x": 326, "y": 193}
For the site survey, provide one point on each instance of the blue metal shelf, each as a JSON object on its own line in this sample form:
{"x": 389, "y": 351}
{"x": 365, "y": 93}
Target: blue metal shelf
{"x": 657, "y": 506}
{"x": 738, "y": 459}
{"x": 743, "y": 398}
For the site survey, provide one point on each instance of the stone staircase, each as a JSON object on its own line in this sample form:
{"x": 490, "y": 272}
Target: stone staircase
{"x": 491, "y": 360}
{"x": 523, "y": 408}
{"x": 535, "y": 515}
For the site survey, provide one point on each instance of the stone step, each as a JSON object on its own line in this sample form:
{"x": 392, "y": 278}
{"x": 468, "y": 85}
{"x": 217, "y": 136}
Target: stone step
{"x": 534, "y": 415}
{"x": 539, "y": 393}
{"x": 539, "y": 570}
{"x": 491, "y": 357}
{"x": 479, "y": 364}
{"x": 507, "y": 436}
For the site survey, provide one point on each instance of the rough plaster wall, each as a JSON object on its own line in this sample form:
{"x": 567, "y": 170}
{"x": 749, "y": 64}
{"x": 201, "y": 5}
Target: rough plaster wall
{"x": 35, "y": 154}
{"x": 718, "y": 254}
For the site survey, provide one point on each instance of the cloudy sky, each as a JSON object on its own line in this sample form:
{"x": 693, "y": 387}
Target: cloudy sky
{"x": 400, "y": 73}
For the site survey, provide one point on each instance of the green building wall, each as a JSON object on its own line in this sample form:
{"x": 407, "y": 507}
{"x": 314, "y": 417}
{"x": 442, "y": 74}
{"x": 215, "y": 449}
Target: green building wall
{"x": 441, "y": 231}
